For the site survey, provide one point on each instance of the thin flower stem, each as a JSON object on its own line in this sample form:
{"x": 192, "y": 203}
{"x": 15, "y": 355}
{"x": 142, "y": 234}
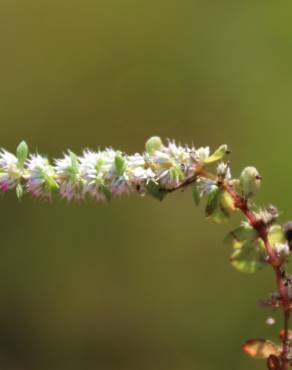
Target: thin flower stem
{"x": 286, "y": 338}
{"x": 286, "y": 313}
{"x": 183, "y": 185}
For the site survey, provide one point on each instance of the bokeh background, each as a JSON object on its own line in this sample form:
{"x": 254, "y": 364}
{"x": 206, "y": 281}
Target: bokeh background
{"x": 137, "y": 284}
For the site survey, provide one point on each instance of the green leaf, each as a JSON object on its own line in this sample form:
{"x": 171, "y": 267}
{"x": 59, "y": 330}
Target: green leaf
{"x": 261, "y": 348}
{"x": 120, "y": 164}
{"x": 19, "y": 191}
{"x": 218, "y": 154}
{"x": 153, "y": 144}
{"x": 22, "y": 153}
{"x": 74, "y": 161}
{"x": 214, "y": 209}
{"x": 276, "y": 235}
{"x": 250, "y": 257}
{"x": 219, "y": 216}
{"x": 154, "y": 190}
{"x": 212, "y": 200}
{"x": 243, "y": 233}
{"x": 196, "y": 195}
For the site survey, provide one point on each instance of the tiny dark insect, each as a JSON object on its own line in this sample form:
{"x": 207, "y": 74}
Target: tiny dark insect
{"x": 287, "y": 228}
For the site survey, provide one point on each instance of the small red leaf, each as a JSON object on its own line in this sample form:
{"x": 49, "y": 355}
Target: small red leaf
{"x": 260, "y": 348}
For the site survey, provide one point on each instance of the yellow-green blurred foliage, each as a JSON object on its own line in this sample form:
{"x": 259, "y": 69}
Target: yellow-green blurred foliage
{"x": 137, "y": 284}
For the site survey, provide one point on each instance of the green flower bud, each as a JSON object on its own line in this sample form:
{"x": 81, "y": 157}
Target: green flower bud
{"x": 153, "y": 144}
{"x": 22, "y": 153}
{"x": 120, "y": 164}
{"x": 250, "y": 181}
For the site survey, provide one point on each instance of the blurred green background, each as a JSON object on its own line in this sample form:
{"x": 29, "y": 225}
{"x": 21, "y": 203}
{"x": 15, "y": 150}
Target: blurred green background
{"x": 137, "y": 284}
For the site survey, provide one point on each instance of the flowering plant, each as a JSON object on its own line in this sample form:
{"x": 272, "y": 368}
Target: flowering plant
{"x": 256, "y": 243}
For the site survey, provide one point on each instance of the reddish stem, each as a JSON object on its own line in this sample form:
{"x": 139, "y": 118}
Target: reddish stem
{"x": 273, "y": 260}
{"x": 262, "y": 230}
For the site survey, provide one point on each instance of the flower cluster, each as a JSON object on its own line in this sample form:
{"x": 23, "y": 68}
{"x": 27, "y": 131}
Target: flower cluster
{"x": 9, "y": 173}
{"x": 102, "y": 174}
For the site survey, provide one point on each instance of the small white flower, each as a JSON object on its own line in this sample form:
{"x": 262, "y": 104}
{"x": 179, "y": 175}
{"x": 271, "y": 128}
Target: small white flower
{"x": 93, "y": 166}
{"x": 168, "y": 172}
{"x": 202, "y": 153}
{"x": 281, "y": 249}
{"x": 137, "y": 171}
{"x": 68, "y": 177}
{"x": 9, "y": 171}
{"x": 98, "y": 170}
{"x": 116, "y": 183}
{"x": 161, "y": 158}
{"x": 178, "y": 152}
{"x": 135, "y": 161}
{"x": 184, "y": 157}
{"x": 171, "y": 177}
{"x": 108, "y": 156}
{"x": 40, "y": 176}
{"x": 142, "y": 175}
{"x": 204, "y": 185}
{"x": 223, "y": 170}
{"x": 120, "y": 185}
{"x": 268, "y": 215}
